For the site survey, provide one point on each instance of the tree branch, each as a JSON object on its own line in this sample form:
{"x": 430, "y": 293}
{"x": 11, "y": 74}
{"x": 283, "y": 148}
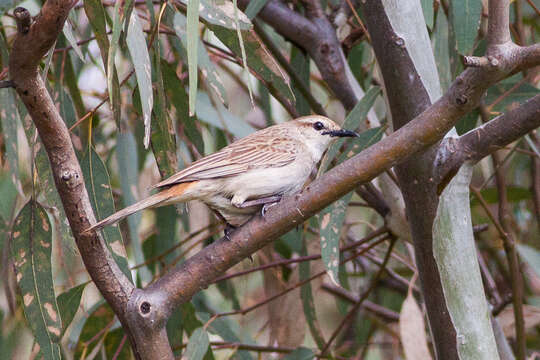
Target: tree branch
{"x": 498, "y": 23}
{"x": 317, "y": 37}
{"x": 31, "y": 43}
{"x": 485, "y": 139}
{"x": 196, "y": 273}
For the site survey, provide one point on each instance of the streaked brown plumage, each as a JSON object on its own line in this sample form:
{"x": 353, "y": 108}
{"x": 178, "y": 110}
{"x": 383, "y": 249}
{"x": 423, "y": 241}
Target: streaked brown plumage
{"x": 240, "y": 178}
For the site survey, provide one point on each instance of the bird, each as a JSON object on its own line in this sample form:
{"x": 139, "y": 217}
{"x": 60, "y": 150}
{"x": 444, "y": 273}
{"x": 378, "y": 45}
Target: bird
{"x": 248, "y": 175}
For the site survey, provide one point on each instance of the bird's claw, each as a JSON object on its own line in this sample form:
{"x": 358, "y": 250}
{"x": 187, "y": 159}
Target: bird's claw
{"x": 267, "y": 206}
{"x": 229, "y": 229}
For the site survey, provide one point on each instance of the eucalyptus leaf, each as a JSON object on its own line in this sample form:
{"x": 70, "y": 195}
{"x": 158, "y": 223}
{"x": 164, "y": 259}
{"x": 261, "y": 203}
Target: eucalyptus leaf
{"x": 31, "y": 250}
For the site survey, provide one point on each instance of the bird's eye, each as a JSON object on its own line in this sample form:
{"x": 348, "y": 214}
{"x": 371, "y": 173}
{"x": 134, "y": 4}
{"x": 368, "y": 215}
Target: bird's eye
{"x": 318, "y": 126}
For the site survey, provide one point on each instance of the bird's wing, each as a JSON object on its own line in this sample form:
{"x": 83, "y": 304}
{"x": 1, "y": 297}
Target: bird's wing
{"x": 261, "y": 150}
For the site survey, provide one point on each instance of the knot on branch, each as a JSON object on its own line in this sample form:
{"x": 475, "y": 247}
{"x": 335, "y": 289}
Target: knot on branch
{"x": 23, "y": 19}
{"x": 70, "y": 177}
{"x": 482, "y": 61}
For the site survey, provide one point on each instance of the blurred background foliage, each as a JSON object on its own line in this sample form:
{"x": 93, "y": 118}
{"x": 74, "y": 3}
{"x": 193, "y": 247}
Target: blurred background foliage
{"x": 148, "y": 87}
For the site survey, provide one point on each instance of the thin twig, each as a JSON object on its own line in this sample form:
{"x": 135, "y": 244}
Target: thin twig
{"x": 302, "y": 258}
{"x": 513, "y": 260}
{"x": 364, "y": 296}
{"x": 301, "y": 283}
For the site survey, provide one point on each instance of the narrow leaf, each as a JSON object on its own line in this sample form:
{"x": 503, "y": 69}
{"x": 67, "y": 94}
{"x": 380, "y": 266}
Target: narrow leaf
{"x": 427, "y": 9}
{"x": 192, "y": 44}
{"x": 243, "y": 52}
{"x": 224, "y": 328}
{"x": 136, "y": 43}
{"x": 197, "y": 345}
{"x": 31, "y": 251}
{"x": 260, "y": 61}
{"x": 96, "y": 16}
{"x": 9, "y": 119}
{"x": 96, "y": 326}
{"x": 127, "y": 157}
{"x": 68, "y": 33}
{"x": 179, "y": 98}
{"x": 465, "y": 15}
{"x": 221, "y": 117}
{"x": 306, "y": 294}
{"x": 99, "y": 189}
{"x": 69, "y": 302}
{"x": 352, "y": 121}
{"x": 163, "y": 132}
{"x": 221, "y": 14}
{"x": 331, "y": 218}
{"x": 254, "y": 7}
{"x": 208, "y": 70}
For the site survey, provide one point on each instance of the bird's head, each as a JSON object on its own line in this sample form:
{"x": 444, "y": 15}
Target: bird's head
{"x": 319, "y": 132}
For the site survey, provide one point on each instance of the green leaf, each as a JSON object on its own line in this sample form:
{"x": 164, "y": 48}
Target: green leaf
{"x": 509, "y": 93}
{"x": 117, "y": 345}
{"x": 208, "y": 71}
{"x": 259, "y": 60}
{"x": 465, "y": 16}
{"x": 7, "y": 5}
{"x": 331, "y": 218}
{"x": 441, "y": 50}
{"x": 306, "y": 295}
{"x": 221, "y": 118}
{"x": 300, "y": 62}
{"x": 68, "y": 33}
{"x": 179, "y": 99}
{"x": 97, "y": 17}
{"x": 126, "y": 154}
{"x": 163, "y": 132}
{"x": 68, "y": 303}
{"x": 427, "y": 9}
{"x": 9, "y": 119}
{"x": 31, "y": 251}
{"x": 192, "y": 27}
{"x": 118, "y": 20}
{"x": 223, "y": 328}
{"x": 301, "y": 353}
{"x": 513, "y": 192}
{"x": 8, "y": 194}
{"x": 221, "y": 13}
{"x": 531, "y": 256}
{"x": 97, "y": 325}
{"x": 97, "y": 182}
{"x": 136, "y": 43}
{"x": 197, "y": 345}
{"x": 467, "y": 122}
{"x": 254, "y": 7}
{"x": 242, "y": 50}
{"x": 47, "y": 188}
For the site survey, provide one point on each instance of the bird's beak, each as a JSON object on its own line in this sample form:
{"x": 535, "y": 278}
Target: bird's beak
{"x": 341, "y": 133}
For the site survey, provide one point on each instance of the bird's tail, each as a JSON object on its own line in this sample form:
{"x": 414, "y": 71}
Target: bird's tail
{"x": 165, "y": 197}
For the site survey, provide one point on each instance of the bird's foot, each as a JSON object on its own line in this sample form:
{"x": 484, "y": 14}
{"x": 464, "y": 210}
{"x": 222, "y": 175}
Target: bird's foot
{"x": 261, "y": 201}
{"x": 229, "y": 229}
{"x": 266, "y": 207}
